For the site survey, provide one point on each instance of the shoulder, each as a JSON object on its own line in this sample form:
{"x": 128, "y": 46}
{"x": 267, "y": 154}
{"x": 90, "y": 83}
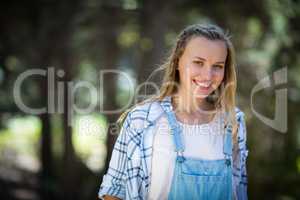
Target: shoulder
{"x": 144, "y": 114}
{"x": 239, "y": 113}
{"x": 242, "y": 133}
{"x": 240, "y": 117}
{"x": 140, "y": 110}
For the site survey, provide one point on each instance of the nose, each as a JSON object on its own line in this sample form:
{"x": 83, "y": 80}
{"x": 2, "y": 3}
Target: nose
{"x": 207, "y": 73}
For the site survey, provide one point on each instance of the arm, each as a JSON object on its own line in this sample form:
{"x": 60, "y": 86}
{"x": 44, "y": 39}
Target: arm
{"x": 113, "y": 185}
{"x": 242, "y": 193}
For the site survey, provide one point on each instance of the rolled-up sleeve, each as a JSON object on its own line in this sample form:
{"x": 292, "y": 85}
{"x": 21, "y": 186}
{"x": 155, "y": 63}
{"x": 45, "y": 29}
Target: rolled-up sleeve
{"x": 113, "y": 183}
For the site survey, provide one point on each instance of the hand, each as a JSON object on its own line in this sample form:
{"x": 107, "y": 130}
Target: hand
{"x": 107, "y": 197}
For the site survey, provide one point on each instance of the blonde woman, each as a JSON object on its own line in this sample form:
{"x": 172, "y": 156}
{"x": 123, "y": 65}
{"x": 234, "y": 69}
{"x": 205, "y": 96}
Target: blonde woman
{"x": 188, "y": 142}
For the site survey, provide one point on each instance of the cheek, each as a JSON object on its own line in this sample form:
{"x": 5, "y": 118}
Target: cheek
{"x": 185, "y": 73}
{"x": 219, "y": 76}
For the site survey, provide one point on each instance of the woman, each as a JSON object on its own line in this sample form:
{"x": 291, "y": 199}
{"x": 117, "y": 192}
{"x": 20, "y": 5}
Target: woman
{"x": 188, "y": 142}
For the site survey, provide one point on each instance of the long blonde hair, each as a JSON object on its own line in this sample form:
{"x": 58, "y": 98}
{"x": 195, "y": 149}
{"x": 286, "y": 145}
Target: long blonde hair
{"x": 224, "y": 96}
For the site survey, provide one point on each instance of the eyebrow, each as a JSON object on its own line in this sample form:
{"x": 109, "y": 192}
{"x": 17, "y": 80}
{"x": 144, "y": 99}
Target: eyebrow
{"x": 220, "y": 62}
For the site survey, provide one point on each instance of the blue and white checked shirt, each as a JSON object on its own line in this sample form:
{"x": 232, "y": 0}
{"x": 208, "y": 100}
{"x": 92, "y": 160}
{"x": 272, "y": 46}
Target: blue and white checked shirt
{"x": 128, "y": 176}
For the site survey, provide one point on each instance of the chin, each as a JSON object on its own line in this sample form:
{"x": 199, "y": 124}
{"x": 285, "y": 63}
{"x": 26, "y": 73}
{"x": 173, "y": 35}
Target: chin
{"x": 201, "y": 96}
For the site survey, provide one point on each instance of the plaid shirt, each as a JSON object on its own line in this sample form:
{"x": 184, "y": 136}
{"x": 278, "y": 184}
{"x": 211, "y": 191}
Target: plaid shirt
{"x": 128, "y": 176}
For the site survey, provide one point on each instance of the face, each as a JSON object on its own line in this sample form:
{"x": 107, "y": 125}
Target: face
{"x": 202, "y": 66}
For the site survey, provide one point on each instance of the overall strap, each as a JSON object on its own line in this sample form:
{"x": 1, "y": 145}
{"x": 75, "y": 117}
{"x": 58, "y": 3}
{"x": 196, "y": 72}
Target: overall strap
{"x": 227, "y": 147}
{"x": 174, "y": 126}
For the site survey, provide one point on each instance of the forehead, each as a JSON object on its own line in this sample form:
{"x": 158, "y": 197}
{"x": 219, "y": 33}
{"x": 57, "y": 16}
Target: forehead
{"x": 214, "y": 50}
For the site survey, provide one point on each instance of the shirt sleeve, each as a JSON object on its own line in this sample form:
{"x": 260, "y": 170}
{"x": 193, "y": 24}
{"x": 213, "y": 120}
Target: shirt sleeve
{"x": 242, "y": 139}
{"x": 113, "y": 183}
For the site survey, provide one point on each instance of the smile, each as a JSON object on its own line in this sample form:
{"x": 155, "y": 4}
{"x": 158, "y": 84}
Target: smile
{"x": 202, "y": 85}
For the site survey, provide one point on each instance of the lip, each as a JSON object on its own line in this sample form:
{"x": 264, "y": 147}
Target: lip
{"x": 201, "y": 87}
{"x": 202, "y": 84}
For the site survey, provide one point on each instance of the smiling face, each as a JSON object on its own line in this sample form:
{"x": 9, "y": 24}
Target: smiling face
{"x": 202, "y": 67}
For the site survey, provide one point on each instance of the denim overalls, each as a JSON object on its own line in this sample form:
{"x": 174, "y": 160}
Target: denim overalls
{"x": 197, "y": 178}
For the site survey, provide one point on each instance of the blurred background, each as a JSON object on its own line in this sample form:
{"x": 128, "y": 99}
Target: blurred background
{"x": 43, "y": 157}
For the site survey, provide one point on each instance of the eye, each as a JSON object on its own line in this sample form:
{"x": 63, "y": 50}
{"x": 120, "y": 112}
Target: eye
{"x": 218, "y": 66}
{"x": 198, "y": 62}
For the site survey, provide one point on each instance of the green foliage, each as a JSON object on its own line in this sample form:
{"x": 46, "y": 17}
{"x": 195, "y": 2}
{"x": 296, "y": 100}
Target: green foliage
{"x": 89, "y": 138}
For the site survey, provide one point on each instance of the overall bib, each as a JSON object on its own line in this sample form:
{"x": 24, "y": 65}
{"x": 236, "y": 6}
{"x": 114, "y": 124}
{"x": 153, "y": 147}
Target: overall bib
{"x": 197, "y": 178}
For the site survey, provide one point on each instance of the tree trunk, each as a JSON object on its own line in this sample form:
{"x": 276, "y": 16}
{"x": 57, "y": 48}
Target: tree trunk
{"x": 153, "y": 22}
{"x": 111, "y": 50}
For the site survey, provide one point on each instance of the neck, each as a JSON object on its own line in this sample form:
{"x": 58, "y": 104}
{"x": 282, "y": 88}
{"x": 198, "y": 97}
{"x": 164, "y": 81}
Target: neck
{"x": 189, "y": 104}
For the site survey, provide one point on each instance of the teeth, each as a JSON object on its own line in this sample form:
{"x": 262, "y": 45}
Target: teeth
{"x": 203, "y": 84}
